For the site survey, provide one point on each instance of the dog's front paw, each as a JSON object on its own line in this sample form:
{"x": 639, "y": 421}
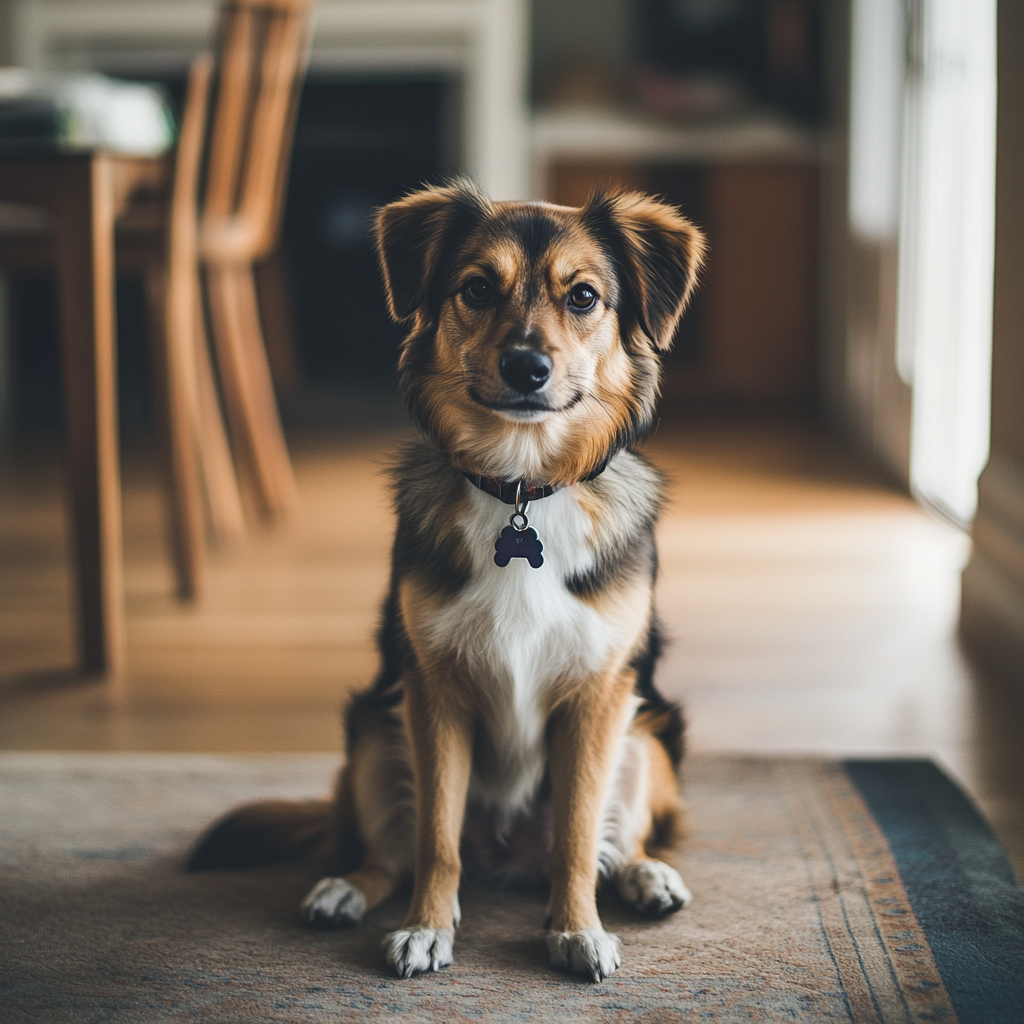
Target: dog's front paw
{"x": 412, "y": 950}
{"x": 652, "y": 887}
{"x": 592, "y": 951}
{"x": 333, "y": 902}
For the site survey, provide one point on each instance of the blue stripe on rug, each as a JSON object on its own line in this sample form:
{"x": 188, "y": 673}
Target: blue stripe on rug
{"x": 960, "y": 884}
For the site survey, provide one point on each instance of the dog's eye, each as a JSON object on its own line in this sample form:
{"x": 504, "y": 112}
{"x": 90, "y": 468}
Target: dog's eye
{"x": 582, "y": 298}
{"x": 477, "y": 291}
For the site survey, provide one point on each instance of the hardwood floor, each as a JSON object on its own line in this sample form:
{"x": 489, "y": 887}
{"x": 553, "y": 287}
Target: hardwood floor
{"x": 811, "y": 608}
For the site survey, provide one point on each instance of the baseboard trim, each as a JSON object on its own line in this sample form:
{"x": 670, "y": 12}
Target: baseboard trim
{"x": 992, "y": 610}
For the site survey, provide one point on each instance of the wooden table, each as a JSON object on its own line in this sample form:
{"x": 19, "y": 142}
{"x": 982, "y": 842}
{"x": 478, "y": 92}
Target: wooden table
{"x": 85, "y": 191}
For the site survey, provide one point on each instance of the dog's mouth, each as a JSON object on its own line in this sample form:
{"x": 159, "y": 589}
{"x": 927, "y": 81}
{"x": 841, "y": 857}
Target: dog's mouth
{"x": 526, "y": 408}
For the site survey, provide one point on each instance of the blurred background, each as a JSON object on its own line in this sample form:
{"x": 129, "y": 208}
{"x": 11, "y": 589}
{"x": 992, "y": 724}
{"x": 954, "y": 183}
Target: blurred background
{"x": 833, "y": 378}
{"x": 786, "y": 128}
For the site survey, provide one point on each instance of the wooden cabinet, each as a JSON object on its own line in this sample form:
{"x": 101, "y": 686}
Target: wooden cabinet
{"x": 757, "y": 315}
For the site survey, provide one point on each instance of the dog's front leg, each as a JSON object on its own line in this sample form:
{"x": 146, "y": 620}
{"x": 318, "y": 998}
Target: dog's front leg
{"x": 440, "y": 731}
{"x": 584, "y": 737}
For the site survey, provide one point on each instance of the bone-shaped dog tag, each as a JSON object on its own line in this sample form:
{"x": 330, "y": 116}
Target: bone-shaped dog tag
{"x": 515, "y": 543}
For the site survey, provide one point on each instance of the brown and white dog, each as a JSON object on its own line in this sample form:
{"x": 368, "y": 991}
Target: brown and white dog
{"x": 514, "y": 727}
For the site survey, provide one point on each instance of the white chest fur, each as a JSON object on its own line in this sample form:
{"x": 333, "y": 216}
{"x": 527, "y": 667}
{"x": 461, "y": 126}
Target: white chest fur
{"x": 521, "y": 636}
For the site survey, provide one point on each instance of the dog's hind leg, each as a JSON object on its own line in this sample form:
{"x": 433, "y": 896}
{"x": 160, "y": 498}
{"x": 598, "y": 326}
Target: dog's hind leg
{"x": 642, "y": 823}
{"x": 377, "y": 789}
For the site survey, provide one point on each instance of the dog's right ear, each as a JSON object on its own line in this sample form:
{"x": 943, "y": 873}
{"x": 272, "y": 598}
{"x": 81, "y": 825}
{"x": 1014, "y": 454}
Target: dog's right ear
{"x": 415, "y": 232}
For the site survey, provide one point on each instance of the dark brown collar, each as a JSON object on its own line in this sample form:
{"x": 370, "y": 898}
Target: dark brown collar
{"x": 505, "y": 490}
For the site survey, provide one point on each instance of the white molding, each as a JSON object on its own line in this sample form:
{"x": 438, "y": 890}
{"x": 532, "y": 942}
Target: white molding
{"x": 395, "y": 18}
{"x": 497, "y": 134}
{"x": 614, "y": 134}
{"x": 484, "y": 42}
{"x": 46, "y": 30}
{"x": 394, "y": 35}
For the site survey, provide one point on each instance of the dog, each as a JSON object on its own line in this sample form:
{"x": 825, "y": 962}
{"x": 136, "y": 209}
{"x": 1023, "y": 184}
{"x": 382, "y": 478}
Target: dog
{"x": 514, "y": 728}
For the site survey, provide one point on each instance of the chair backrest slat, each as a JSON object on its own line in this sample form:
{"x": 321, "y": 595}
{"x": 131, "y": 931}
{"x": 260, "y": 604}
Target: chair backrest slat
{"x": 234, "y": 82}
{"x": 266, "y": 169}
{"x": 263, "y": 48}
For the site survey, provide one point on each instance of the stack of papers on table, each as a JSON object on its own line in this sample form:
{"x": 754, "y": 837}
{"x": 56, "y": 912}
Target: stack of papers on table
{"x": 84, "y": 111}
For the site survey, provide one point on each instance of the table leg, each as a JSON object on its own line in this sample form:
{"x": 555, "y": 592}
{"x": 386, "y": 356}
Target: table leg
{"x": 84, "y": 226}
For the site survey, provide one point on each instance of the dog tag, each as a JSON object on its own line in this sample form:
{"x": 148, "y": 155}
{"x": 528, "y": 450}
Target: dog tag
{"x": 514, "y": 543}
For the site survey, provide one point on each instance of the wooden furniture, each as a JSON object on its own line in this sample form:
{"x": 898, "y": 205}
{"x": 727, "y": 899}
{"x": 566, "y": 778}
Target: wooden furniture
{"x": 155, "y": 233}
{"x": 262, "y": 53}
{"x": 261, "y": 57}
{"x": 188, "y": 411}
{"x": 83, "y": 193}
{"x": 262, "y": 46}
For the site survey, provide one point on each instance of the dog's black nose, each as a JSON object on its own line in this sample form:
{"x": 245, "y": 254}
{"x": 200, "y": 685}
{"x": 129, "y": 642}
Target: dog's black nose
{"x": 524, "y": 369}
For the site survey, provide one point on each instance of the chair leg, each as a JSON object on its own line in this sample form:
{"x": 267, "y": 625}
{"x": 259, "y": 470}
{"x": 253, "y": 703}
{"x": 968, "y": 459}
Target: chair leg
{"x": 248, "y": 390}
{"x": 225, "y": 503}
{"x": 175, "y": 410}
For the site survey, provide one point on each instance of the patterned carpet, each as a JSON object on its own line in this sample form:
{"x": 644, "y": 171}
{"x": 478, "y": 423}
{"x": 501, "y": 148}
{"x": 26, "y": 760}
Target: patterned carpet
{"x": 824, "y": 891}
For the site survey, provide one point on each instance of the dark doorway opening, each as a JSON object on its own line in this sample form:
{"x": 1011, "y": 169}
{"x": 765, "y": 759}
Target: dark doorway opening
{"x": 358, "y": 145}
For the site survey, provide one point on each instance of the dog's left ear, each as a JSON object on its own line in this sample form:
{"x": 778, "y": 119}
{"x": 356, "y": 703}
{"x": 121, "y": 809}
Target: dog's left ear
{"x": 658, "y": 254}
{"x": 413, "y": 235}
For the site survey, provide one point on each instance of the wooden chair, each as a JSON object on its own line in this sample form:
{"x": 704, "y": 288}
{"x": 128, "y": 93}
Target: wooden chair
{"x": 263, "y": 45}
{"x": 188, "y": 410}
{"x": 174, "y": 242}
{"x": 156, "y": 239}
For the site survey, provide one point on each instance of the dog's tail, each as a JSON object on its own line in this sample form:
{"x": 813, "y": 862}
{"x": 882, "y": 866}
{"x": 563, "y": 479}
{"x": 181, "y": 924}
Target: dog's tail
{"x": 267, "y": 832}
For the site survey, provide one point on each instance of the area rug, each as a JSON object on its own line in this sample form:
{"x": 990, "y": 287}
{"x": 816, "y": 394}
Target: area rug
{"x": 863, "y": 891}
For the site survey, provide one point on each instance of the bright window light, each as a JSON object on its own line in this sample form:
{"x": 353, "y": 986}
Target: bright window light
{"x": 946, "y": 241}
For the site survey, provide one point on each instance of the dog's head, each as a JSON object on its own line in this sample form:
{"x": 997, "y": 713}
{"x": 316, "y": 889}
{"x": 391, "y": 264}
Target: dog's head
{"x": 536, "y": 329}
